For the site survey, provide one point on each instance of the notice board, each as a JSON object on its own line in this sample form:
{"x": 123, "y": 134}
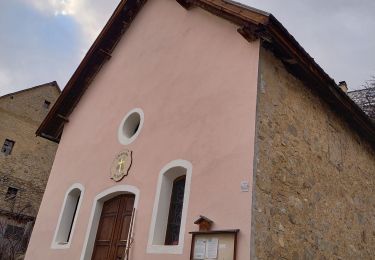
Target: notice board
{"x": 214, "y": 245}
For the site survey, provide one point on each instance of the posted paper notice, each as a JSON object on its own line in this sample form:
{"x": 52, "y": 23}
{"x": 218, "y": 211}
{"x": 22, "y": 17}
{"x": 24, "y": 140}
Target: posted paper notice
{"x": 211, "y": 248}
{"x": 199, "y": 249}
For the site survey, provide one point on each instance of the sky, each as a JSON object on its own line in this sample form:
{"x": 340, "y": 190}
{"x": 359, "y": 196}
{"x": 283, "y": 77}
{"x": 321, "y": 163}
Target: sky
{"x": 45, "y": 40}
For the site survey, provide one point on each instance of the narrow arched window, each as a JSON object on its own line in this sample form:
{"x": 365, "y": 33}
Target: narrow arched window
{"x": 68, "y": 216}
{"x": 167, "y": 229}
{"x": 175, "y": 211}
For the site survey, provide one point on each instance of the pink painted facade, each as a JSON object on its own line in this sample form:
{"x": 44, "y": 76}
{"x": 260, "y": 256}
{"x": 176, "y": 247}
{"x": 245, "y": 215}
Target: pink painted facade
{"x": 195, "y": 78}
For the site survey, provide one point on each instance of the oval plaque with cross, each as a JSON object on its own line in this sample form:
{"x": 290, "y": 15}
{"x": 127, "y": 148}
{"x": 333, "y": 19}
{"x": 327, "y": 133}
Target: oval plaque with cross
{"x": 121, "y": 165}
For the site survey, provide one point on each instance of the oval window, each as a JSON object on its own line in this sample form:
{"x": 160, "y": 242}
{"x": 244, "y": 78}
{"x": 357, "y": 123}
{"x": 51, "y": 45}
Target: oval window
{"x": 130, "y": 126}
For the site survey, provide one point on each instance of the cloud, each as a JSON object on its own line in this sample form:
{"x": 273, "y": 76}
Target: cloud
{"x": 36, "y": 49}
{"x": 44, "y": 40}
{"x": 88, "y": 14}
{"x": 54, "y": 7}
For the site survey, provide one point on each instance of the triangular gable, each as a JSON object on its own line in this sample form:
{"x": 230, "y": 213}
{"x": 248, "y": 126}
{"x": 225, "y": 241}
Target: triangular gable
{"x": 252, "y": 24}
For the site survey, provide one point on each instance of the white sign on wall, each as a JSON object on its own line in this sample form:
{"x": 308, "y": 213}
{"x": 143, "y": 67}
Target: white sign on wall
{"x": 244, "y": 186}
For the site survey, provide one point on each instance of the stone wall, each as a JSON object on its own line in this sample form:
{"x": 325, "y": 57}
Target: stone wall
{"x": 28, "y": 166}
{"x": 314, "y": 176}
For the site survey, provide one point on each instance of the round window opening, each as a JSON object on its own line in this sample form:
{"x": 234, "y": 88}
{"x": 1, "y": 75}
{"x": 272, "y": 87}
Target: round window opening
{"x": 130, "y": 126}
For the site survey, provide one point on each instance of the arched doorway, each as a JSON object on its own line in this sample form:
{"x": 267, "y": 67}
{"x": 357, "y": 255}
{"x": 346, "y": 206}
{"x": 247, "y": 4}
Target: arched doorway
{"x": 106, "y": 198}
{"x": 113, "y": 230}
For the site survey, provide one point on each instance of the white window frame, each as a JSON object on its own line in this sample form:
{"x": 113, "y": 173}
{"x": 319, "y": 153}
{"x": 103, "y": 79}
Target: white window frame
{"x": 122, "y": 138}
{"x": 161, "y": 210}
{"x": 57, "y": 244}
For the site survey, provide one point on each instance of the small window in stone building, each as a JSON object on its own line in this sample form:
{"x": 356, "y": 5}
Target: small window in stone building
{"x": 7, "y": 147}
{"x": 46, "y": 104}
{"x": 14, "y": 232}
{"x": 11, "y": 193}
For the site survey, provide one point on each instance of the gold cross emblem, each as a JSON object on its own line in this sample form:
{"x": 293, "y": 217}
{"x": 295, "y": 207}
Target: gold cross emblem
{"x": 121, "y": 165}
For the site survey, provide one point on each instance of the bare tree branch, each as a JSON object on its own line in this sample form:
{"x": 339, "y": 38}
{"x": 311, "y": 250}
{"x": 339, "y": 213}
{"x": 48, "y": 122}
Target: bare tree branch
{"x": 365, "y": 97}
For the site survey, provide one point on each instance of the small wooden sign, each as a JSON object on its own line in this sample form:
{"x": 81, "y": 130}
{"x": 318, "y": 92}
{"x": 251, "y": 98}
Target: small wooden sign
{"x": 121, "y": 165}
{"x": 204, "y": 223}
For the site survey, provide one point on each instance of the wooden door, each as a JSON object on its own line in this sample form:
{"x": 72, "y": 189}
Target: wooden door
{"x": 112, "y": 234}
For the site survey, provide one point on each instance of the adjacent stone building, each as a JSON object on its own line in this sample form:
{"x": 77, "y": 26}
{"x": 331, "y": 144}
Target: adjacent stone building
{"x": 314, "y": 174}
{"x": 25, "y": 163}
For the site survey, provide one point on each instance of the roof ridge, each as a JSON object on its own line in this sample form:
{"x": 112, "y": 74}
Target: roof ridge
{"x": 52, "y": 84}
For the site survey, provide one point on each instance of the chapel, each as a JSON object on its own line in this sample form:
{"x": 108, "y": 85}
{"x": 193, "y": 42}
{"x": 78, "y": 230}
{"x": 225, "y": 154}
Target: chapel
{"x": 201, "y": 129}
